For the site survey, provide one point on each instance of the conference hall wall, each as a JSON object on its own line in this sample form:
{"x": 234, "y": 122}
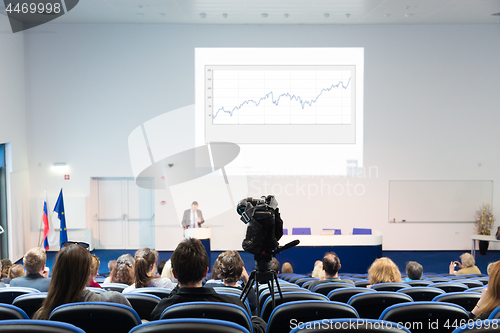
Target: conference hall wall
{"x": 430, "y": 113}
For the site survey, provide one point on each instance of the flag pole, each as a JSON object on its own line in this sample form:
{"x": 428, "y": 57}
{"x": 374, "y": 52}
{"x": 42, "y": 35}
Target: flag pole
{"x": 41, "y": 225}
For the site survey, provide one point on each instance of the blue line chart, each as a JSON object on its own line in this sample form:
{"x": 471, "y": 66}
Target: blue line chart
{"x": 276, "y": 101}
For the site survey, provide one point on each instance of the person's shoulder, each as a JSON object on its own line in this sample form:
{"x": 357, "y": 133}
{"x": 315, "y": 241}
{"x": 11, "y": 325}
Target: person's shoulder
{"x": 17, "y": 281}
{"x": 114, "y": 297}
{"x": 161, "y": 283}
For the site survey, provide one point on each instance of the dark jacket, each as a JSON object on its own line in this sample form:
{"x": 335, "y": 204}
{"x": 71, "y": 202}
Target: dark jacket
{"x": 32, "y": 281}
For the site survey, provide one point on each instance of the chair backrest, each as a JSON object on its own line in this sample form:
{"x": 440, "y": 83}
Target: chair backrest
{"x": 325, "y": 288}
{"x": 296, "y": 278}
{"x": 344, "y": 294}
{"x": 421, "y": 294}
{"x": 476, "y": 290}
{"x": 143, "y": 304}
{"x": 9, "y": 311}
{"x": 419, "y": 283}
{"x": 495, "y": 314}
{"x": 362, "y": 283}
{"x": 389, "y": 286}
{"x": 97, "y": 290}
{"x": 371, "y": 305}
{"x": 211, "y": 310}
{"x": 37, "y": 326}
{"x": 97, "y": 317}
{"x": 229, "y": 290}
{"x": 306, "y": 284}
{"x": 157, "y": 291}
{"x": 479, "y": 326}
{"x": 30, "y": 303}
{"x": 114, "y": 286}
{"x": 267, "y": 307}
{"x": 266, "y": 293}
{"x": 190, "y": 325}
{"x": 300, "y": 282}
{"x": 466, "y": 300}
{"x": 301, "y": 231}
{"x": 348, "y": 325}
{"x": 99, "y": 279}
{"x": 426, "y": 316}
{"x": 361, "y": 231}
{"x": 438, "y": 279}
{"x": 470, "y": 283}
{"x": 7, "y": 295}
{"x": 304, "y": 311}
{"x": 450, "y": 287}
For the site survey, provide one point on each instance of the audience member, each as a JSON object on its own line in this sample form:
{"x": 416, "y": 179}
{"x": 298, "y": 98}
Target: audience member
{"x": 34, "y": 263}
{"x": 167, "y": 272}
{"x": 286, "y": 268}
{"x": 123, "y": 272}
{"x": 70, "y": 276}
{"x": 111, "y": 265}
{"x": 318, "y": 271}
{"x": 383, "y": 270}
{"x": 94, "y": 269}
{"x": 490, "y": 266}
{"x": 331, "y": 267}
{"x": 160, "y": 267}
{"x": 467, "y": 266}
{"x": 490, "y": 297}
{"x": 414, "y": 271}
{"x": 6, "y": 263}
{"x": 275, "y": 265}
{"x": 2, "y": 285}
{"x": 215, "y": 276}
{"x": 15, "y": 271}
{"x": 190, "y": 265}
{"x": 145, "y": 269}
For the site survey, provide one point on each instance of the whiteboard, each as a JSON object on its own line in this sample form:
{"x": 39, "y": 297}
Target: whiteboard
{"x": 437, "y": 200}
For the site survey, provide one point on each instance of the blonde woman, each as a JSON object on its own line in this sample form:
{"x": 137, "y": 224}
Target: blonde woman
{"x": 467, "y": 266}
{"x": 383, "y": 270}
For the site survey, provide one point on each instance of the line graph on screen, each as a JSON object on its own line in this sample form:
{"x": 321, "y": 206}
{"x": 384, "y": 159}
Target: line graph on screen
{"x": 280, "y": 95}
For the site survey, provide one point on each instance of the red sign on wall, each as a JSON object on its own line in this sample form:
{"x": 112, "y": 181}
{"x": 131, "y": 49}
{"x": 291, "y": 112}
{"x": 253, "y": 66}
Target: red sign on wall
{"x": 66, "y": 177}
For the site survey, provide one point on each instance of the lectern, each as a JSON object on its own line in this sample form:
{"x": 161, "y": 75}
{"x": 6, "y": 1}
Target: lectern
{"x": 203, "y": 234}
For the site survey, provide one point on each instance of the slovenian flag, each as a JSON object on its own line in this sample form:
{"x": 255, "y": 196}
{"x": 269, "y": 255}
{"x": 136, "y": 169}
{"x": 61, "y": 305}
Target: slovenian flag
{"x": 45, "y": 219}
{"x": 59, "y": 209}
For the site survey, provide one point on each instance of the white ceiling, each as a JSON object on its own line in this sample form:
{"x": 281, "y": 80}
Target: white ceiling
{"x": 284, "y": 12}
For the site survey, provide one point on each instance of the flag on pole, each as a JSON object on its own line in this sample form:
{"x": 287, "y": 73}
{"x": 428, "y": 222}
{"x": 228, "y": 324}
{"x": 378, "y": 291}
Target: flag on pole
{"x": 46, "y": 228}
{"x": 59, "y": 209}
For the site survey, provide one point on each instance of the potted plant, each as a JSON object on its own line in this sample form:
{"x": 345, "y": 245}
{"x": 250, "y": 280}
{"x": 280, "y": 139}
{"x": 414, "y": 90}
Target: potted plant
{"x": 484, "y": 220}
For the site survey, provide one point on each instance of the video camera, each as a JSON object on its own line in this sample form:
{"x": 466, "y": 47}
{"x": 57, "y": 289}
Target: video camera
{"x": 265, "y": 226}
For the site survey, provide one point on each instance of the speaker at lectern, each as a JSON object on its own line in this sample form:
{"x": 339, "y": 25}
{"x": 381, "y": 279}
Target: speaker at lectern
{"x": 203, "y": 234}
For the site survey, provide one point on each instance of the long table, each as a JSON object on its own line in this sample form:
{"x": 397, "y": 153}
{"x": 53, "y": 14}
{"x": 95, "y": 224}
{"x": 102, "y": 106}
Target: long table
{"x": 356, "y": 252}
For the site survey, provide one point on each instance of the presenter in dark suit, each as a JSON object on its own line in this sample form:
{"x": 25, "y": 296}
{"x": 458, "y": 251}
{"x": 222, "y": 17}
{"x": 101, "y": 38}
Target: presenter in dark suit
{"x": 192, "y": 218}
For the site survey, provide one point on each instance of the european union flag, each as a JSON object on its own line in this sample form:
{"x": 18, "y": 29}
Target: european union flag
{"x": 59, "y": 209}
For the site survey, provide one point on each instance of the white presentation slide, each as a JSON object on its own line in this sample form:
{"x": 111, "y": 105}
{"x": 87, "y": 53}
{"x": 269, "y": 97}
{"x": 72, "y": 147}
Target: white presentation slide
{"x": 292, "y": 111}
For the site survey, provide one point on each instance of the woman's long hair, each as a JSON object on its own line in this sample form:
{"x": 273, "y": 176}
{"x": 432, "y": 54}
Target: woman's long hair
{"x": 383, "y": 270}
{"x": 145, "y": 259}
{"x": 70, "y": 275}
{"x": 123, "y": 272}
{"x": 492, "y": 296}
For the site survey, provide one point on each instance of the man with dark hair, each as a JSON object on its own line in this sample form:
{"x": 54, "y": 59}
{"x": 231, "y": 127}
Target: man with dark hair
{"x": 34, "y": 263}
{"x": 414, "y": 271}
{"x": 331, "y": 266}
{"x": 189, "y": 266}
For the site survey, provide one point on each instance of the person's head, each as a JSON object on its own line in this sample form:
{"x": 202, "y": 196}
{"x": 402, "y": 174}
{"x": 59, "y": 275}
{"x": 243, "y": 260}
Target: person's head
{"x": 318, "y": 270}
{"x": 161, "y": 265}
{"x": 167, "y": 271}
{"x": 145, "y": 260}
{"x": 190, "y": 262}
{"x": 467, "y": 260}
{"x": 94, "y": 266}
{"x": 383, "y": 270}
{"x": 194, "y": 206}
{"x": 491, "y": 298}
{"x": 414, "y": 270}
{"x": 216, "y": 269}
{"x": 6, "y": 264}
{"x": 70, "y": 274}
{"x": 490, "y": 266}
{"x": 124, "y": 270}
{"x": 286, "y": 268}
{"x": 317, "y": 262}
{"x": 231, "y": 267}
{"x": 331, "y": 264}
{"x": 111, "y": 265}
{"x": 34, "y": 260}
{"x": 275, "y": 265}
{"x": 15, "y": 271}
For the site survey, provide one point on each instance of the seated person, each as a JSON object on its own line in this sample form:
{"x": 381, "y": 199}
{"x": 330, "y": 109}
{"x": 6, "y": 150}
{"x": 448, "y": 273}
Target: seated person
{"x": 231, "y": 270}
{"x": 167, "y": 272}
{"x": 383, "y": 270}
{"x": 70, "y": 276}
{"x": 6, "y": 264}
{"x": 467, "y": 266}
{"x": 123, "y": 270}
{"x": 160, "y": 267}
{"x": 414, "y": 271}
{"x": 15, "y": 271}
{"x": 2, "y": 285}
{"x": 189, "y": 266}
{"x": 318, "y": 271}
{"x": 34, "y": 263}
{"x": 94, "y": 269}
{"x": 490, "y": 297}
{"x": 331, "y": 267}
{"x": 145, "y": 271}
{"x": 275, "y": 265}
{"x": 287, "y": 268}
